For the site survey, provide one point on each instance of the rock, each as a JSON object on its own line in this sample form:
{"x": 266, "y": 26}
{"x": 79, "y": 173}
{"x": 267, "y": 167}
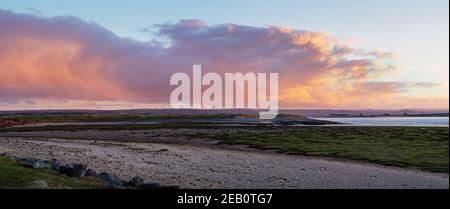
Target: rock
{"x": 80, "y": 169}
{"x": 151, "y": 186}
{"x": 90, "y": 172}
{"x": 136, "y": 182}
{"x": 33, "y": 163}
{"x": 37, "y": 184}
{"x": 76, "y": 170}
{"x": 110, "y": 179}
{"x": 65, "y": 169}
{"x": 54, "y": 164}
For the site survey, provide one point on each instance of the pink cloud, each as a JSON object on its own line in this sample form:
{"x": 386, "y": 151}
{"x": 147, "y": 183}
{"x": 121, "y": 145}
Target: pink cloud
{"x": 66, "y": 58}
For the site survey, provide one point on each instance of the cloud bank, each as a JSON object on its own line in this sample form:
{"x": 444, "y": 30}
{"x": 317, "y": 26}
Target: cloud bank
{"x": 68, "y": 62}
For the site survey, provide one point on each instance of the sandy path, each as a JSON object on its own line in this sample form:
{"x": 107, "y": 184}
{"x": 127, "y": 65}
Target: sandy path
{"x": 202, "y": 167}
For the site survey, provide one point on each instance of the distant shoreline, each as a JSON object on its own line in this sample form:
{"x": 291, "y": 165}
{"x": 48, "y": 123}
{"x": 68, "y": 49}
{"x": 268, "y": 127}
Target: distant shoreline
{"x": 305, "y": 112}
{"x": 390, "y": 116}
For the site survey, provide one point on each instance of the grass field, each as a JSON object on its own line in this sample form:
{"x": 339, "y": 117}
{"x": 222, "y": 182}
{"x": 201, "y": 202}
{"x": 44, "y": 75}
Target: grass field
{"x": 424, "y": 148}
{"x": 13, "y": 175}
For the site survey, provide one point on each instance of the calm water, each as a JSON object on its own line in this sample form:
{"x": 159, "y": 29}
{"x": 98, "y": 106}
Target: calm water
{"x": 392, "y": 121}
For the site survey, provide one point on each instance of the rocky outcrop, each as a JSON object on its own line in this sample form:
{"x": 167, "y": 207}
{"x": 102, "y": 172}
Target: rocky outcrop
{"x": 80, "y": 170}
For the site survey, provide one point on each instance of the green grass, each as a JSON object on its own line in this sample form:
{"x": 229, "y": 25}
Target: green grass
{"x": 424, "y": 148}
{"x": 15, "y": 176}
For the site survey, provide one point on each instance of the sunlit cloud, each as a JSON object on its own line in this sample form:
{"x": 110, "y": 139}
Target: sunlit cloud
{"x": 67, "y": 62}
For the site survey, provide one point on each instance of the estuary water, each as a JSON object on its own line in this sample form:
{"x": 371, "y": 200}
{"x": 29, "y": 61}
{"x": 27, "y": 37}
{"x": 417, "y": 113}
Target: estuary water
{"x": 392, "y": 121}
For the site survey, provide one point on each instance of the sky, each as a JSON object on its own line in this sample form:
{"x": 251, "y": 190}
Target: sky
{"x": 330, "y": 54}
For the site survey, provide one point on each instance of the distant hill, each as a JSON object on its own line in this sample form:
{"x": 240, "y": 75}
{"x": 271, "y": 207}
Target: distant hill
{"x": 284, "y": 116}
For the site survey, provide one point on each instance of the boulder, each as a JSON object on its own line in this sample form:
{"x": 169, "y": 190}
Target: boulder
{"x": 110, "y": 179}
{"x": 33, "y": 163}
{"x": 90, "y": 172}
{"x": 54, "y": 164}
{"x": 76, "y": 170}
{"x": 79, "y": 169}
{"x": 136, "y": 182}
{"x": 65, "y": 169}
